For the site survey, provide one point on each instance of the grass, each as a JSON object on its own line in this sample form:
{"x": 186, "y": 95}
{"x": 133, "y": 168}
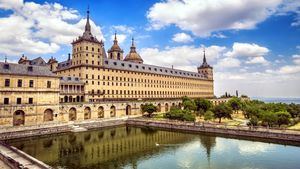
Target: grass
{"x": 295, "y": 127}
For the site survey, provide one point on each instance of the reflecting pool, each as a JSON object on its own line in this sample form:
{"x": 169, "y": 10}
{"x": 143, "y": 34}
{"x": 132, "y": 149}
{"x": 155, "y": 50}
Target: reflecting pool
{"x": 148, "y": 148}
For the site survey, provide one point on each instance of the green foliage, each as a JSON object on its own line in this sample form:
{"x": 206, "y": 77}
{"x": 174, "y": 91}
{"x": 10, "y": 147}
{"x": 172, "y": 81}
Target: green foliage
{"x": 294, "y": 110}
{"x": 283, "y": 117}
{"x": 222, "y": 111}
{"x": 268, "y": 118}
{"x": 189, "y": 105}
{"x": 253, "y": 121}
{"x": 209, "y": 115}
{"x": 149, "y": 108}
{"x": 202, "y": 104}
{"x": 178, "y": 114}
{"x": 235, "y": 103}
{"x": 251, "y": 111}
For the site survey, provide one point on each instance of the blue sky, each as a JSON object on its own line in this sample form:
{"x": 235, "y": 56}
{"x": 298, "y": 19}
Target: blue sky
{"x": 253, "y": 45}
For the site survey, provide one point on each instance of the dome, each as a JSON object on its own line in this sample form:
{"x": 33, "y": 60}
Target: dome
{"x": 133, "y": 56}
{"x": 115, "y": 46}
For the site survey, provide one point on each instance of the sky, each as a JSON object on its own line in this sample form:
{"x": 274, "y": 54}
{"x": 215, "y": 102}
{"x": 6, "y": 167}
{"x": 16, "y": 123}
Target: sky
{"x": 253, "y": 45}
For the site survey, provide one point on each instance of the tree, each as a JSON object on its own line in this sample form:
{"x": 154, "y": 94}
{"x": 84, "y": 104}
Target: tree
{"x": 235, "y": 103}
{"x": 149, "y": 108}
{"x": 294, "y": 110}
{"x": 268, "y": 118}
{"x": 209, "y": 115}
{"x": 202, "y": 104}
{"x": 222, "y": 111}
{"x": 251, "y": 111}
{"x": 283, "y": 118}
{"x": 253, "y": 121}
{"x": 189, "y": 105}
{"x": 178, "y": 114}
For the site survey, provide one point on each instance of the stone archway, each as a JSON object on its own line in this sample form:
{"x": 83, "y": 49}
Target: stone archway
{"x": 173, "y": 105}
{"x": 159, "y": 107}
{"x": 100, "y": 112}
{"x": 72, "y": 114}
{"x": 18, "y": 118}
{"x": 87, "y": 113}
{"x": 112, "y": 111}
{"x": 48, "y": 115}
{"x": 128, "y": 110}
{"x": 166, "y": 107}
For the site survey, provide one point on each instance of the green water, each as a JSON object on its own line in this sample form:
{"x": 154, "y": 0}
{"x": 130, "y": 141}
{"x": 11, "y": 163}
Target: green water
{"x": 145, "y": 148}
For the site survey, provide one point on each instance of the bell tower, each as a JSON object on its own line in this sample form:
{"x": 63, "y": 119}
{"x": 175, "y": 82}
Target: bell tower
{"x": 205, "y": 68}
{"x": 115, "y": 52}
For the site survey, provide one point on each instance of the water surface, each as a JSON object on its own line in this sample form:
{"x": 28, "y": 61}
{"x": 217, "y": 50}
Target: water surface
{"x": 147, "y": 148}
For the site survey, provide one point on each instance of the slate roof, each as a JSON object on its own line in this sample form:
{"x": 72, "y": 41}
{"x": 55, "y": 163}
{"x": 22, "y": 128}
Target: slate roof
{"x": 130, "y": 66}
{"x": 28, "y": 70}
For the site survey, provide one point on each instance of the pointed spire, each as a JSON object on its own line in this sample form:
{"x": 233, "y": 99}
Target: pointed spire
{"x": 87, "y": 25}
{"x": 132, "y": 48}
{"x": 132, "y": 42}
{"x": 204, "y": 58}
{"x": 115, "y": 40}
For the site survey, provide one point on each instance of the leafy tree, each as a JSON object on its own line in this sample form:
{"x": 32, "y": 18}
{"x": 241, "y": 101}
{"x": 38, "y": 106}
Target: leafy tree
{"x": 203, "y": 104}
{"x": 283, "y": 118}
{"x": 253, "y": 121}
{"x": 209, "y": 115}
{"x": 149, "y": 108}
{"x": 222, "y": 111}
{"x": 294, "y": 110}
{"x": 251, "y": 111}
{"x": 235, "y": 103}
{"x": 178, "y": 114}
{"x": 189, "y": 105}
{"x": 268, "y": 118}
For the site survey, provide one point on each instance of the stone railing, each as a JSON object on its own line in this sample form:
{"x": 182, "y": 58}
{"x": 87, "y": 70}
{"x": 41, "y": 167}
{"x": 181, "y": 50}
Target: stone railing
{"x": 258, "y": 132}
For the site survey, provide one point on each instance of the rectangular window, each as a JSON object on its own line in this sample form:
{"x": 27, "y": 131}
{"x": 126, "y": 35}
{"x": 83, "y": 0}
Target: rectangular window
{"x": 7, "y": 82}
{"x": 30, "y": 101}
{"x": 19, "y": 100}
{"x": 19, "y": 83}
{"x": 30, "y": 83}
{"x": 6, "y": 100}
{"x": 48, "y": 84}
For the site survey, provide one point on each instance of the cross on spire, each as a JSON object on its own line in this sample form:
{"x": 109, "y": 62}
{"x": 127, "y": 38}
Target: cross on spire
{"x": 87, "y": 25}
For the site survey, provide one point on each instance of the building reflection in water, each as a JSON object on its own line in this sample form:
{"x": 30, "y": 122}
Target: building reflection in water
{"x": 109, "y": 148}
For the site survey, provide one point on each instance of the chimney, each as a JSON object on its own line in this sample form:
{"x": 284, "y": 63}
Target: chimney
{"x": 69, "y": 56}
{"x": 172, "y": 67}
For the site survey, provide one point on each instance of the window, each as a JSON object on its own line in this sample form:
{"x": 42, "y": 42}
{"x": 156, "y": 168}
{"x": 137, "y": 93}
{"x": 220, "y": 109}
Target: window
{"x": 30, "y": 83}
{"x": 7, "y": 82}
{"x": 30, "y": 68}
{"x": 19, "y": 100}
{"x": 48, "y": 84}
{"x": 6, "y": 100}
{"x": 30, "y": 101}
{"x": 19, "y": 83}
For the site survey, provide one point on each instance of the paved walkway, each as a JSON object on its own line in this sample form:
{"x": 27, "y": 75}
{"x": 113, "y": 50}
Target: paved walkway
{"x": 23, "y": 161}
{"x": 3, "y": 165}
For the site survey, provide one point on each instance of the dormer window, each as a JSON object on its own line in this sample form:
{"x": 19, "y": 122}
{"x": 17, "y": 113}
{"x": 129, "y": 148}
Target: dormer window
{"x": 115, "y": 63}
{"x": 106, "y": 62}
{"x": 6, "y": 66}
{"x": 129, "y": 65}
{"x": 30, "y": 68}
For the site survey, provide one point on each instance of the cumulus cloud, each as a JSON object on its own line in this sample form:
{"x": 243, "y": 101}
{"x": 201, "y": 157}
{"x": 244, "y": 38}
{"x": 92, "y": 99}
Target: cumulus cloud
{"x": 203, "y": 17}
{"x": 247, "y": 50}
{"x": 123, "y": 29}
{"x": 182, "y": 57}
{"x": 182, "y": 37}
{"x": 257, "y": 60}
{"x": 120, "y": 37}
{"x": 34, "y": 28}
{"x": 228, "y": 62}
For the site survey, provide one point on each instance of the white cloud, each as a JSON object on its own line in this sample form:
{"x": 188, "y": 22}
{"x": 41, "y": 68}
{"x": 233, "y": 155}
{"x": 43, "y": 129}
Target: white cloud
{"x": 218, "y": 35}
{"x": 228, "y": 62}
{"x": 289, "y": 69}
{"x": 203, "y": 17}
{"x": 120, "y": 37}
{"x": 247, "y": 50}
{"x": 258, "y": 60}
{"x": 123, "y": 29}
{"x": 182, "y": 37}
{"x": 34, "y": 28}
{"x": 296, "y": 59}
{"x": 182, "y": 57}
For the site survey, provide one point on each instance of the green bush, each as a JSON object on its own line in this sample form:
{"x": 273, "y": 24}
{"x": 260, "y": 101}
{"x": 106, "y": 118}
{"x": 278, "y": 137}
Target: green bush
{"x": 209, "y": 115}
{"x": 178, "y": 114}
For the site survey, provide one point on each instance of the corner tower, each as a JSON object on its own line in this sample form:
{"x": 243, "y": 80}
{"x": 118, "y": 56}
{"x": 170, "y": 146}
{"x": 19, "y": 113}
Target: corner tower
{"x": 87, "y": 50}
{"x": 205, "y": 68}
{"x": 115, "y": 52}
